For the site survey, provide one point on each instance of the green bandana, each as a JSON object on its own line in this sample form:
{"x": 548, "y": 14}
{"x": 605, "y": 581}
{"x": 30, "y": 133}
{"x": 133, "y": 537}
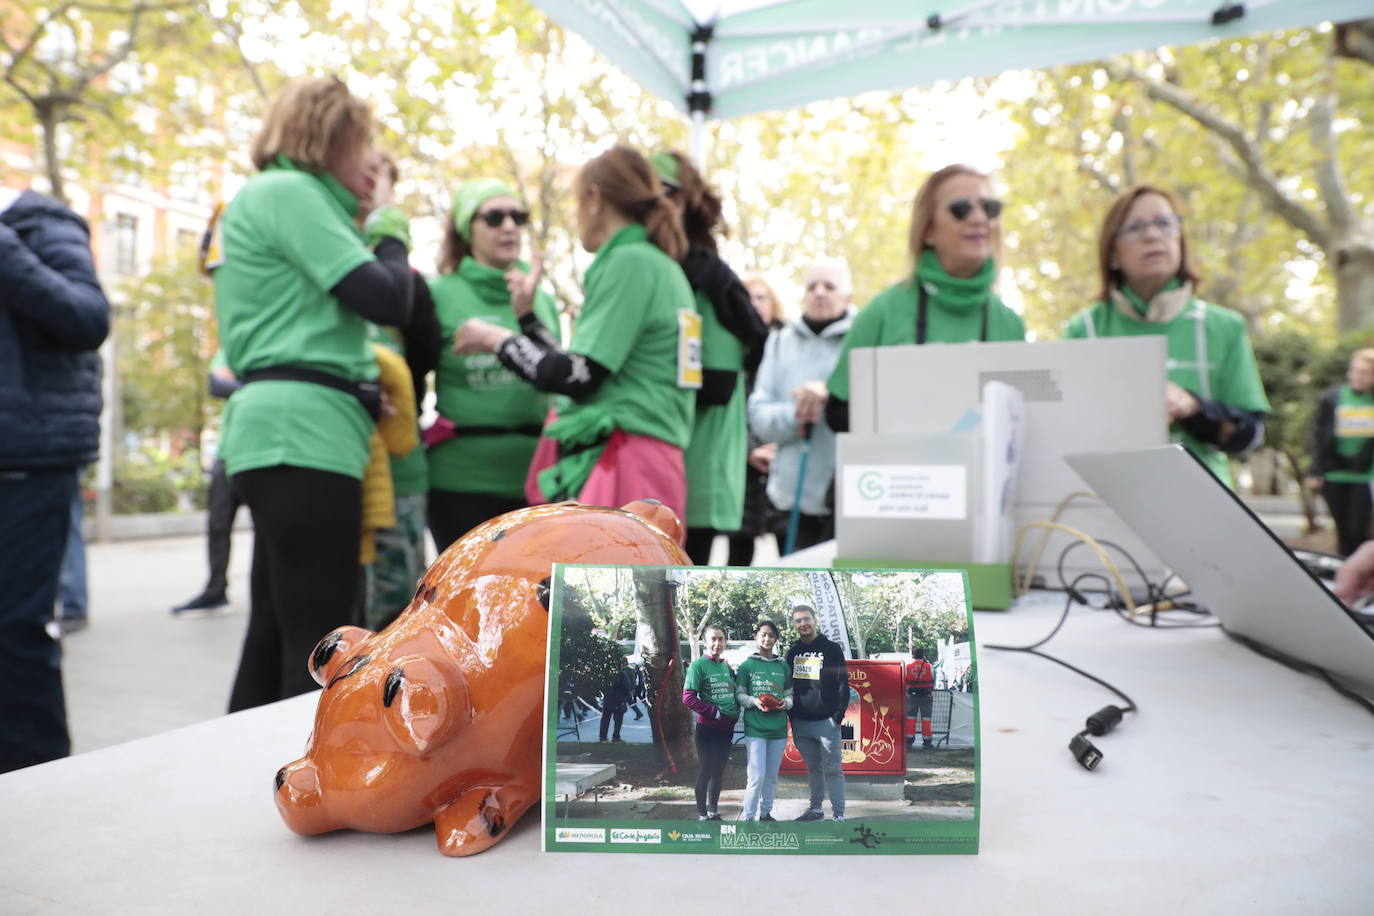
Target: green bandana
{"x": 1140, "y": 304}
{"x": 955, "y": 293}
{"x": 668, "y": 168}
{"x": 336, "y": 190}
{"x": 471, "y": 195}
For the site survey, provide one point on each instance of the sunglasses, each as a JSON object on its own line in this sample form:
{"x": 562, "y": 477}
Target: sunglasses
{"x": 497, "y": 218}
{"x": 961, "y": 207}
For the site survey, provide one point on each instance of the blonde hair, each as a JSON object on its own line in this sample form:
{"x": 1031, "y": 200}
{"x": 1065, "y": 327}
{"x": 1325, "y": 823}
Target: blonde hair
{"x": 1365, "y": 355}
{"x": 923, "y": 210}
{"x": 308, "y": 121}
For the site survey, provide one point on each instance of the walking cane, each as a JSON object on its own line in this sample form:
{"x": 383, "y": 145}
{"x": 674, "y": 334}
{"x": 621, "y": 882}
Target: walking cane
{"x": 795, "y": 517}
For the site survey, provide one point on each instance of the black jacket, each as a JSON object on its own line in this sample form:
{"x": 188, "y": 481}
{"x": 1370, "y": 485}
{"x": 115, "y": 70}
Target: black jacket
{"x": 53, "y": 317}
{"x": 822, "y": 697}
{"x": 1324, "y": 455}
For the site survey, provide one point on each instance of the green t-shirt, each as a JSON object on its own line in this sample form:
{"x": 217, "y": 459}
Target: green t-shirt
{"x": 1354, "y": 425}
{"x": 409, "y": 472}
{"x": 715, "y": 458}
{"x": 889, "y": 320}
{"x": 288, "y": 239}
{"x": 1209, "y": 355}
{"x": 476, "y": 390}
{"x": 715, "y": 683}
{"x": 639, "y": 320}
{"x": 757, "y": 676}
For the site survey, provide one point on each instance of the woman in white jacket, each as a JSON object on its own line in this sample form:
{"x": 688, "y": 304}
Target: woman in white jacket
{"x": 789, "y": 397}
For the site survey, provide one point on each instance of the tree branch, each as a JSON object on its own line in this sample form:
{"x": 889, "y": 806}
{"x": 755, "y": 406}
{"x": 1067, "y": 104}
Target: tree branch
{"x": 1257, "y": 174}
{"x": 1330, "y": 181}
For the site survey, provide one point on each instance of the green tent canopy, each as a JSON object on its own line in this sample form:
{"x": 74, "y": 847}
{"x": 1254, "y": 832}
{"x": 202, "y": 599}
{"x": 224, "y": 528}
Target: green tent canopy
{"x": 724, "y": 59}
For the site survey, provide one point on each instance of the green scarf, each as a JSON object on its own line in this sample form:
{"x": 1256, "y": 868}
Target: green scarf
{"x": 584, "y": 434}
{"x": 487, "y": 282}
{"x": 341, "y": 195}
{"x": 954, "y": 293}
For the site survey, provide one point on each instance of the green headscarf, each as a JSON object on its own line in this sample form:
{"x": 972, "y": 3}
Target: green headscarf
{"x": 668, "y": 167}
{"x": 471, "y": 195}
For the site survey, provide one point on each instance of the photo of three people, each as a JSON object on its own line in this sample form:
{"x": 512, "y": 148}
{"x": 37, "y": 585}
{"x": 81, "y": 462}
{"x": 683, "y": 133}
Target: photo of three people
{"x": 851, "y": 740}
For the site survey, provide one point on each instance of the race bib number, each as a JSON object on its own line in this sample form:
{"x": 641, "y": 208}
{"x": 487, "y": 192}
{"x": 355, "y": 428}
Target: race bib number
{"x": 806, "y": 668}
{"x": 211, "y": 254}
{"x": 688, "y": 349}
{"x": 1355, "y": 422}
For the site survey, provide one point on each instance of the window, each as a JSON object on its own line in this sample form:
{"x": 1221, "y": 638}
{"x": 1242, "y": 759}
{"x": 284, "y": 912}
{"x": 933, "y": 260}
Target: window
{"x": 126, "y": 244}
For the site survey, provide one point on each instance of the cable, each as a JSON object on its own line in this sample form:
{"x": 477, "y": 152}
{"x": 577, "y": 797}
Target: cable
{"x": 1045, "y": 538}
{"x": 1301, "y": 667}
{"x": 1087, "y": 539}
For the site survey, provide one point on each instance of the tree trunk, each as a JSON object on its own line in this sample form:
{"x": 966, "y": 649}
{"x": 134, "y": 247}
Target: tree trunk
{"x": 49, "y": 116}
{"x": 669, "y": 720}
{"x": 1352, "y": 261}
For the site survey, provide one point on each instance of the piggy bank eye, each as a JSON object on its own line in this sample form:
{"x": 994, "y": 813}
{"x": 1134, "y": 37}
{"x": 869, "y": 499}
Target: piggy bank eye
{"x": 333, "y": 651}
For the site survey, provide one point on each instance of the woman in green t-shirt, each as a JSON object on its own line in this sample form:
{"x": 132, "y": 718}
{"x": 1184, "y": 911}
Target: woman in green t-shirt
{"x": 1214, "y": 398}
{"x": 489, "y": 417}
{"x": 709, "y": 692}
{"x": 628, "y": 380}
{"x": 955, "y": 238}
{"x": 732, "y": 336}
{"x": 294, "y": 292}
{"x": 764, "y": 691}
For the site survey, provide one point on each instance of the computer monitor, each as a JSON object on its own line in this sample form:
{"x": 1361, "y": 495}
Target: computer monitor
{"x": 1079, "y": 396}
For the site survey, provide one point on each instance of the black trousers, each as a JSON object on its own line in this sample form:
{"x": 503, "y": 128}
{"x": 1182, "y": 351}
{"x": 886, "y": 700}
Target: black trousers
{"x": 811, "y": 530}
{"x": 35, "y": 511}
{"x": 222, "y": 506}
{"x": 713, "y": 753}
{"x": 453, "y": 514}
{"x": 304, "y": 582}
{"x": 1350, "y": 507}
{"x": 612, "y": 709}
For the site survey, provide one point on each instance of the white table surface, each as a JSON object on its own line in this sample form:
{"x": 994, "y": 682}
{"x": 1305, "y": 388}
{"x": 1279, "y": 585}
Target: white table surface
{"x": 1241, "y": 787}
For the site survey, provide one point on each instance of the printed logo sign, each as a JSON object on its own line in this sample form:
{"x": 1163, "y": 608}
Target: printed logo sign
{"x": 580, "y": 835}
{"x": 906, "y": 491}
{"x": 635, "y": 835}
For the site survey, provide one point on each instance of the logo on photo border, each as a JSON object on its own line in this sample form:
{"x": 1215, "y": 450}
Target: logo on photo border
{"x": 635, "y": 835}
{"x": 580, "y": 835}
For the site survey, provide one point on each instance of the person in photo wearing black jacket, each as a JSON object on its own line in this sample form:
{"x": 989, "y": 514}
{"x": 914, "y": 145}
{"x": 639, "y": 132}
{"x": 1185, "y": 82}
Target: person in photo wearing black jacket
{"x": 53, "y": 316}
{"x": 820, "y": 696}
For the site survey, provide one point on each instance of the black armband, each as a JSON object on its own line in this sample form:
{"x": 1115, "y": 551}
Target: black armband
{"x": 1234, "y": 431}
{"x": 717, "y": 387}
{"x": 837, "y": 414}
{"x": 551, "y": 369}
{"x": 380, "y": 290}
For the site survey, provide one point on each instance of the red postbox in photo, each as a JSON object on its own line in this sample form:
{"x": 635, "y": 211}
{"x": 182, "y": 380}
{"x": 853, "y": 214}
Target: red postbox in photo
{"x": 873, "y": 733}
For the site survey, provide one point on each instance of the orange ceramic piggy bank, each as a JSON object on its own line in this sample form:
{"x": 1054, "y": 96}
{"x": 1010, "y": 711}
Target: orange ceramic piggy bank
{"x": 439, "y": 717}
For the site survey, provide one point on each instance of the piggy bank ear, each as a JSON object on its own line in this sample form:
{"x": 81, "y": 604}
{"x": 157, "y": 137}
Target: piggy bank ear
{"x": 333, "y": 651}
{"x": 424, "y": 701}
{"x": 658, "y": 515}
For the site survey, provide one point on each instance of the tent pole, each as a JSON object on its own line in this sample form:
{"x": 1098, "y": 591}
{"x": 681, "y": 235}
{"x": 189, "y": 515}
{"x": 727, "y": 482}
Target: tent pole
{"x": 699, "y": 140}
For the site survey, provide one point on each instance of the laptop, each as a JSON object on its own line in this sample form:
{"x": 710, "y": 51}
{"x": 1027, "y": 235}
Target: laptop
{"x": 1232, "y": 563}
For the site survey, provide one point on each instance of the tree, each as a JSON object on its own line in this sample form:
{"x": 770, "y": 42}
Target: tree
{"x": 671, "y": 722}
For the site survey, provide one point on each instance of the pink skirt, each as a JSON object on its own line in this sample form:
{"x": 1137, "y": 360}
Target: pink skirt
{"x": 631, "y": 467}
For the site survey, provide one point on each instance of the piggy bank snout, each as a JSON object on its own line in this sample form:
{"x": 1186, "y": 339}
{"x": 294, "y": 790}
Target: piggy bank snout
{"x": 299, "y": 797}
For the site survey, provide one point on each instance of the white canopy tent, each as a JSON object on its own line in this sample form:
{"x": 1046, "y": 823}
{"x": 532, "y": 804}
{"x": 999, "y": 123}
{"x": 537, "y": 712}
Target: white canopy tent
{"x": 723, "y": 59}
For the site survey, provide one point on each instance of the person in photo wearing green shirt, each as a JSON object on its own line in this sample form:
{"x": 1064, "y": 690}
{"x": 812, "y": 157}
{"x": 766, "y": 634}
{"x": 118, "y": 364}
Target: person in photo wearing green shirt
{"x": 400, "y": 550}
{"x": 955, "y": 239}
{"x": 732, "y": 336}
{"x": 764, "y": 692}
{"x": 489, "y": 417}
{"x": 294, "y": 293}
{"x": 709, "y": 691}
{"x": 1214, "y": 398}
{"x": 628, "y": 381}
{"x": 1342, "y": 466}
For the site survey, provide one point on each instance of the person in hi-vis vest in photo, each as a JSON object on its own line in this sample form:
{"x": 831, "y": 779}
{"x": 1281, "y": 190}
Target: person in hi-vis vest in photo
{"x": 920, "y": 683}
{"x": 1342, "y": 466}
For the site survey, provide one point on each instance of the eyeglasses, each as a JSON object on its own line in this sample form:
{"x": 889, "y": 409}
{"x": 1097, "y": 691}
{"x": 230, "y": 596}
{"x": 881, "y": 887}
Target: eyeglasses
{"x": 497, "y": 218}
{"x": 1168, "y": 226}
{"x": 961, "y": 207}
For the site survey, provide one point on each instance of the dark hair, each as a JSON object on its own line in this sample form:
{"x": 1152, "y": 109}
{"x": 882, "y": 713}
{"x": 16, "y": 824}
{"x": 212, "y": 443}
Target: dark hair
{"x": 804, "y": 607}
{"x": 770, "y": 625}
{"x": 700, "y": 204}
{"x": 453, "y": 249}
{"x": 1111, "y": 224}
{"x": 628, "y": 183}
{"x": 393, "y": 171}
{"x": 918, "y": 653}
{"x": 714, "y": 626}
